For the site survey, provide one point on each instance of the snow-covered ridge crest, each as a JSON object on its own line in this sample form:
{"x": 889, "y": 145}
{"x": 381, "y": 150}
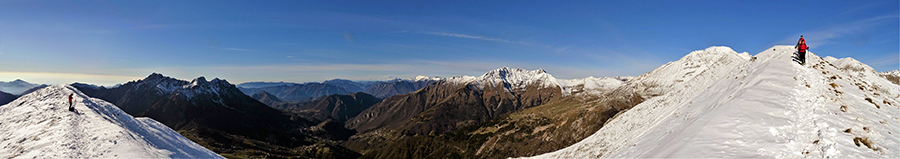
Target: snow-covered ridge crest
{"x": 38, "y": 125}
{"x": 709, "y": 62}
{"x": 769, "y": 107}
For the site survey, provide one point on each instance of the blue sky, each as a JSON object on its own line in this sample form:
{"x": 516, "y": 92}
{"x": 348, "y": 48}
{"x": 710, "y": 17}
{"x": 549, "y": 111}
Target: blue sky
{"x": 108, "y": 42}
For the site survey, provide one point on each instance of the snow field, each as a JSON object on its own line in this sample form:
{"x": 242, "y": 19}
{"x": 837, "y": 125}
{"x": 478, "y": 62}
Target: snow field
{"x": 769, "y": 107}
{"x": 39, "y": 125}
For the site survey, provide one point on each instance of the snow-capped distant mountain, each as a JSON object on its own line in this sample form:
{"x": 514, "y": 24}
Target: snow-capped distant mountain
{"x": 717, "y": 103}
{"x": 38, "y": 125}
{"x": 514, "y": 79}
{"x": 16, "y": 87}
{"x": 893, "y": 76}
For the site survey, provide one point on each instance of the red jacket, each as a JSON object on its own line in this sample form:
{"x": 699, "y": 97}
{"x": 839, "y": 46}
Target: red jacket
{"x": 70, "y": 98}
{"x": 802, "y": 48}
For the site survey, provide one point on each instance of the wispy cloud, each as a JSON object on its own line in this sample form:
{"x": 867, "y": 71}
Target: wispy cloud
{"x": 468, "y": 36}
{"x": 827, "y": 35}
{"x": 161, "y": 26}
{"x": 555, "y": 49}
{"x": 889, "y": 60}
{"x": 235, "y": 49}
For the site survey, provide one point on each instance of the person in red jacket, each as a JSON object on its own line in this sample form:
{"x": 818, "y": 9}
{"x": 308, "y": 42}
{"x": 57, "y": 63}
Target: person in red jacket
{"x": 70, "y": 102}
{"x": 801, "y": 50}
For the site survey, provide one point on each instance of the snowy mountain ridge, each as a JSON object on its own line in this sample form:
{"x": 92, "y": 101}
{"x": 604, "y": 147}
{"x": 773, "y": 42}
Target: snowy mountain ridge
{"x": 517, "y": 79}
{"x": 717, "y": 103}
{"x": 168, "y": 85}
{"x": 38, "y": 125}
{"x": 514, "y": 79}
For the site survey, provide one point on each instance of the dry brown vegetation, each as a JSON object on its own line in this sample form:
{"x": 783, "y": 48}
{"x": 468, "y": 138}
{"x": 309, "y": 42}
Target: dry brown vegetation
{"x": 873, "y": 102}
{"x": 532, "y": 131}
{"x": 865, "y": 141}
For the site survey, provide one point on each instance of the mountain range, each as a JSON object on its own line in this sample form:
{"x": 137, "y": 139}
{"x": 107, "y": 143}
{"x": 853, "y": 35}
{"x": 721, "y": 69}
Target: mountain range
{"x": 220, "y": 117}
{"x": 295, "y": 92}
{"x": 439, "y": 119}
{"x": 17, "y": 87}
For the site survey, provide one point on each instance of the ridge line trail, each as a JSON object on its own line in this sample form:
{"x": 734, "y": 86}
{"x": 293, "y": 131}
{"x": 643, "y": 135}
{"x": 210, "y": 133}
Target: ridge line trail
{"x": 803, "y": 137}
{"x": 74, "y": 146}
{"x": 761, "y": 109}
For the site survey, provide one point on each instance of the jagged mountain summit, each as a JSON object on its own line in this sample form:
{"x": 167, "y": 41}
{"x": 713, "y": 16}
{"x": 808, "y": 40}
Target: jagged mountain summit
{"x": 17, "y": 87}
{"x": 38, "y": 125}
{"x": 718, "y": 103}
{"x": 516, "y": 79}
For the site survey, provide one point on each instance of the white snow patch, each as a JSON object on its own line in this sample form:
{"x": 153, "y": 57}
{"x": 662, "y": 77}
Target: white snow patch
{"x": 425, "y": 78}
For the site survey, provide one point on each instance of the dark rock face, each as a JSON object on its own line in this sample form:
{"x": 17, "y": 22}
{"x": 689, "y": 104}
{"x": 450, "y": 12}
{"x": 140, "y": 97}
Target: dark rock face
{"x": 6, "y": 98}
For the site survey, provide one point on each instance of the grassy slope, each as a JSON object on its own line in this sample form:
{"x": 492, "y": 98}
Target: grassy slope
{"x": 531, "y": 131}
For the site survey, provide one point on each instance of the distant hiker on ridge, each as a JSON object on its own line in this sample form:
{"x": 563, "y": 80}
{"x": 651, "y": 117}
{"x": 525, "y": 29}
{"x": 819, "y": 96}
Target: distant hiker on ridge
{"x": 70, "y": 102}
{"x": 801, "y": 50}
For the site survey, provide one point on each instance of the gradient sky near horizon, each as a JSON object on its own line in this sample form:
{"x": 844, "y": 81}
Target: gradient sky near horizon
{"x": 109, "y": 42}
